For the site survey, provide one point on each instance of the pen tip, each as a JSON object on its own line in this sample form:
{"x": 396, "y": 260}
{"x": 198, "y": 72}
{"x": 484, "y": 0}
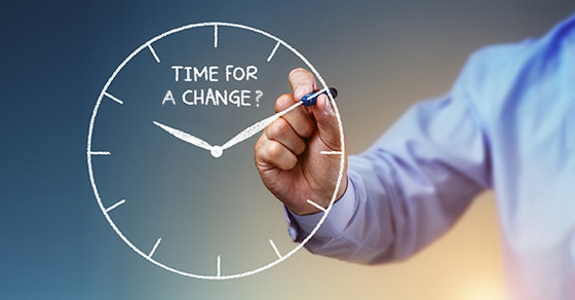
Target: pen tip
{"x": 333, "y": 92}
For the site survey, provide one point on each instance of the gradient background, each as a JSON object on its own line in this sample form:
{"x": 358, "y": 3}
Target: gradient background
{"x": 56, "y": 57}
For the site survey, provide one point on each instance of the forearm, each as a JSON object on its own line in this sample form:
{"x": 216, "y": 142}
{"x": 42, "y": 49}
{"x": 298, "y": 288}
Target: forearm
{"x": 358, "y": 227}
{"x": 407, "y": 189}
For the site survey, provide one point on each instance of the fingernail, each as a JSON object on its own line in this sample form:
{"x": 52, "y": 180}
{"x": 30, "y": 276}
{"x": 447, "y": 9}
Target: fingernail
{"x": 299, "y": 92}
{"x": 328, "y": 108}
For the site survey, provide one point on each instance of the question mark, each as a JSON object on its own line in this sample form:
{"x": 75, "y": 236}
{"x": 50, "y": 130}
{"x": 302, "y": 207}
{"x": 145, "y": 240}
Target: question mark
{"x": 259, "y": 95}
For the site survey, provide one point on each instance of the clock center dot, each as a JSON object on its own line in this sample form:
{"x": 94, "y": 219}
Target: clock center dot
{"x": 216, "y": 151}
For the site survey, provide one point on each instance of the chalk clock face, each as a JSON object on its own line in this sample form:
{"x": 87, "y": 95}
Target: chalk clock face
{"x": 165, "y": 169}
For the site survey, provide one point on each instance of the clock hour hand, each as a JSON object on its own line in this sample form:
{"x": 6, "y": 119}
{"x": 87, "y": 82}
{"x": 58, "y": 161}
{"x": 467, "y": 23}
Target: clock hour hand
{"x": 184, "y": 136}
{"x": 257, "y": 127}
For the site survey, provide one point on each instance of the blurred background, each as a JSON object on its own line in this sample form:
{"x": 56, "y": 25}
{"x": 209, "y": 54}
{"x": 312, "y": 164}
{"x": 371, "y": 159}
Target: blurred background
{"x": 382, "y": 56}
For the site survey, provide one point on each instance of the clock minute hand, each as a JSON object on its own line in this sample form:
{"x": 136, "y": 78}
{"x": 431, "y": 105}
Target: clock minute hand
{"x": 184, "y": 136}
{"x": 257, "y": 127}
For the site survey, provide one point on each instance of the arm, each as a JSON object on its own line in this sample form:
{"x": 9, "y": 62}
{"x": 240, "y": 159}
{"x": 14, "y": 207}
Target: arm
{"x": 407, "y": 189}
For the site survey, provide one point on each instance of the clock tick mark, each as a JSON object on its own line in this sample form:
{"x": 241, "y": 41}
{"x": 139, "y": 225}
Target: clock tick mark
{"x": 116, "y": 205}
{"x": 331, "y": 152}
{"x": 219, "y": 266}
{"x": 275, "y": 249}
{"x": 216, "y": 36}
{"x": 113, "y": 98}
{"x": 154, "y": 53}
{"x": 273, "y": 51}
{"x": 154, "y": 248}
{"x": 100, "y": 153}
{"x": 316, "y": 205}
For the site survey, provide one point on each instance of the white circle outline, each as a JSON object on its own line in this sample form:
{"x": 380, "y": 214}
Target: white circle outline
{"x": 95, "y": 189}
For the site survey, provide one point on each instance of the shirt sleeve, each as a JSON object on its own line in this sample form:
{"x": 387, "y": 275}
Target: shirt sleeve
{"x": 409, "y": 187}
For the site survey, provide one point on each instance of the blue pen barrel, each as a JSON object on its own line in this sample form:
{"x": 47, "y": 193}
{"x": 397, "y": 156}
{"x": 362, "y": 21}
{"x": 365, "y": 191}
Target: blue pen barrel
{"x": 311, "y": 98}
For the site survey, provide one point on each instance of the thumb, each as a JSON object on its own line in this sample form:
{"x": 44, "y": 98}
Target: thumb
{"x": 328, "y": 124}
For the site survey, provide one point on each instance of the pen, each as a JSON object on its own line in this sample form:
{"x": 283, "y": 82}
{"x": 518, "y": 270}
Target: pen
{"x": 310, "y": 99}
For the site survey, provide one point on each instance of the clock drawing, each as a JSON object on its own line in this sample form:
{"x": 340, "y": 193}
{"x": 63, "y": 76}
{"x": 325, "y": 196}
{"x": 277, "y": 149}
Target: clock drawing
{"x": 170, "y": 150}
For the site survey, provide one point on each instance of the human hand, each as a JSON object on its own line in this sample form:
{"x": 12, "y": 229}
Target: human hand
{"x": 289, "y": 153}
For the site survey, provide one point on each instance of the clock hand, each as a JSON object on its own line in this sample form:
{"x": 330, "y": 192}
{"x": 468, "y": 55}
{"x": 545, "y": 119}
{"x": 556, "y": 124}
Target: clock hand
{"x": 257, "y": 127}
{"x": 186, "y": 137}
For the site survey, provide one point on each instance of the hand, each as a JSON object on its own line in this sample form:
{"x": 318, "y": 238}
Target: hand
{"x": 288, "y": 154}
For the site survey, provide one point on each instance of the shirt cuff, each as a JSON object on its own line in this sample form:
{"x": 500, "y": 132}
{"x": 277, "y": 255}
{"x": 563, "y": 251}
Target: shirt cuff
{"x": 338, "y": 217}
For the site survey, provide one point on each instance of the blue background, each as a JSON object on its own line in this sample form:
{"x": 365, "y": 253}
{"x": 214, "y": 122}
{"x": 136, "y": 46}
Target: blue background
{"x": 56, "y": 56}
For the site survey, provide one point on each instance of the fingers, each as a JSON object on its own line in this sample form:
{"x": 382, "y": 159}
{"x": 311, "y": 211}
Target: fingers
{"x": 282, "y": 132}
{"x": 305, "y": 120}
{"x": 273, "y": 154}
{"x": 327, "y": 123}
{"x": 290, "y": 154}
{"x": 299, "y": 119}
{"x": 280, "y": 145}
{"x": 302, "y": 82}
{"x": 283, "y": 140}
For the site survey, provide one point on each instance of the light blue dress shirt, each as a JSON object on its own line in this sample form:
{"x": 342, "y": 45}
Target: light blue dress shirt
{"x": 508, "y": 124}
